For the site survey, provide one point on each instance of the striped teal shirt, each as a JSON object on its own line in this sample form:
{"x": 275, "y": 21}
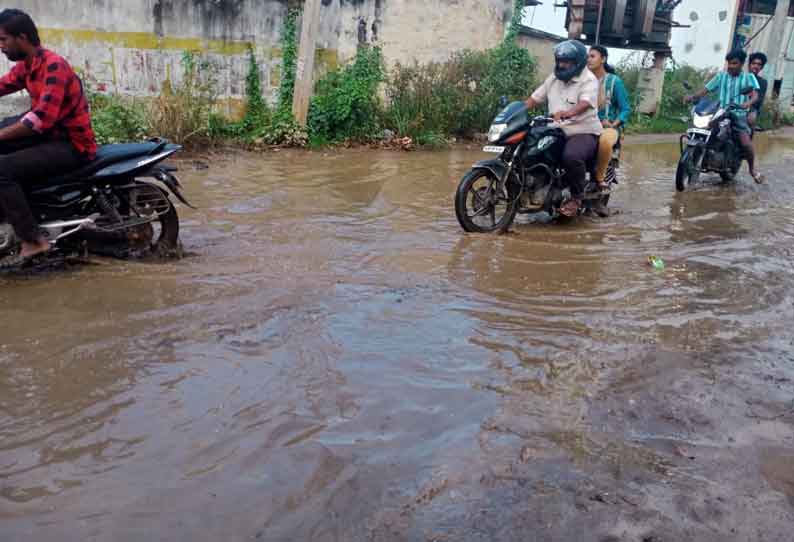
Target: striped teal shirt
{"x": 730, "y": 87}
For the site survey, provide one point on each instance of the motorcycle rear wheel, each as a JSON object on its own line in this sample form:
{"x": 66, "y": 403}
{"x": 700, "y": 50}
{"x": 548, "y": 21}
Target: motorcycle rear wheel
{"x": 479, "y": 209}
{"x": 160, "y": 238}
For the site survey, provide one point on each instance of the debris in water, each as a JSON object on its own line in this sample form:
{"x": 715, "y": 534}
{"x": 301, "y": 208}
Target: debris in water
{"x": 656, "y": 262}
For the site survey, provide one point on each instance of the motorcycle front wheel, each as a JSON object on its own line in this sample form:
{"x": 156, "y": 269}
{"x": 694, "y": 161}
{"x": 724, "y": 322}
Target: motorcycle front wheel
{"x": 688, "y": 171}
{"x": 481, "y": 207}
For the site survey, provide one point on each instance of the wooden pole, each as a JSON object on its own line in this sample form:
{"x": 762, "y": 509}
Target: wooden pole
{"x": 598, "y": 25}
{"x": 575, "y": 19}
{"x": 304, "y": 73}
{"x": 644, "y": 12}
{"x": 620, "y": 17}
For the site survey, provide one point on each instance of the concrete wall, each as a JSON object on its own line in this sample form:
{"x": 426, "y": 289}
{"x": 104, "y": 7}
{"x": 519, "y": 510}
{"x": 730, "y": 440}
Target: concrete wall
{"x": 132, "y": 46}
{"x": 542, "y": 49}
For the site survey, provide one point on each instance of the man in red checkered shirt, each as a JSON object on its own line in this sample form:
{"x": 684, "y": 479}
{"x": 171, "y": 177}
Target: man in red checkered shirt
{"x": 51, "y": 139}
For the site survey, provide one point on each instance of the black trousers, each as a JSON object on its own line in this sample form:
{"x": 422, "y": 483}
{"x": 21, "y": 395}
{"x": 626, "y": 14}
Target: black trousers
{"x": 24, "y": 161}
{"x": 579, "y": 150}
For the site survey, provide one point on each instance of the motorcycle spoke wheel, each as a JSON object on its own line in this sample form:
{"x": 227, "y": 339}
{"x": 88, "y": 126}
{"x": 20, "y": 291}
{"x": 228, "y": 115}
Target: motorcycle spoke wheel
{"x": 480, "y": 206}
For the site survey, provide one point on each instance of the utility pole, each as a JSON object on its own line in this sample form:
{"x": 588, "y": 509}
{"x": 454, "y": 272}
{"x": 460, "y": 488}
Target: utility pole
{"x": 304, "y": 73}
{"x": 776, "y": 47}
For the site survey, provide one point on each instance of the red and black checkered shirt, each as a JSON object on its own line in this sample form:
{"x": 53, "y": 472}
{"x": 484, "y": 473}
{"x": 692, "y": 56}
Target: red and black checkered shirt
{"x": 59, "y": 108}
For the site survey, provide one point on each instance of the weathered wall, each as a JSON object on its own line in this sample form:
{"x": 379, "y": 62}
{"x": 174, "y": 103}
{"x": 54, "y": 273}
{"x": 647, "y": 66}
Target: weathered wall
{"x": 132, "y": 46}
{"x": 541, "y": 47}
{"x": 707, "y": 41}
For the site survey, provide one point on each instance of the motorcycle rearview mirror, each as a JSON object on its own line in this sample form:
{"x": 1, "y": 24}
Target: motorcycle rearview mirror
{"x": 503, "y": 101}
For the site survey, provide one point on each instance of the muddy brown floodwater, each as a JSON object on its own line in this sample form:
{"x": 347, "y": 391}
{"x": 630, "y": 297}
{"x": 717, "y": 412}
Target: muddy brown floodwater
{"x": 336, "y": 361}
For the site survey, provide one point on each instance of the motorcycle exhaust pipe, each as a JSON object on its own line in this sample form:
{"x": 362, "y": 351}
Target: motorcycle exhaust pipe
{"x": 57, "y": 230}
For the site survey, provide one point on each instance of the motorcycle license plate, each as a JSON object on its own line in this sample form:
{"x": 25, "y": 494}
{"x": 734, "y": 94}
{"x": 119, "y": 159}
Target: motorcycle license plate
{"x": 699, "y": 131}
{"x": 491, "y": 148}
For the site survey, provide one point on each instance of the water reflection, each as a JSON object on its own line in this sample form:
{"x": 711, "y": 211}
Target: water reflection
{"x": 337, "y": 361}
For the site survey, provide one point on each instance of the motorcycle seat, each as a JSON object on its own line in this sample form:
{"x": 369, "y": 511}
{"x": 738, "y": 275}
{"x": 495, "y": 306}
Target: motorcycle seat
{"x": 107, "y": 155}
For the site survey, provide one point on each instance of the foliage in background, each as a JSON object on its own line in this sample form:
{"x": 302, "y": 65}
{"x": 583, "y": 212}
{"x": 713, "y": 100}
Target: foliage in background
{"x": 461, "y": 96}
{"x": 427, "y": 102}
{"x": 516, "y": 21}
{"x": 183, "y": 111}
{"x": 116, "y": 119}
{"x": 289, "y": 60}
{"x": 345, "y": 104}
{"x": 257, "y": 112}
{"x": 673, "y": 115}
{"x": 262, "y": 125}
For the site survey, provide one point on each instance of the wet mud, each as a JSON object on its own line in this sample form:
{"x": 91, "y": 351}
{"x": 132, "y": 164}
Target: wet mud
{"x": 335, "y": 360}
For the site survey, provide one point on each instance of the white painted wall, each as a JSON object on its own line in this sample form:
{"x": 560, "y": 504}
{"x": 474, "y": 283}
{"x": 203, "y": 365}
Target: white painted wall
{"x": 705, "y": 44}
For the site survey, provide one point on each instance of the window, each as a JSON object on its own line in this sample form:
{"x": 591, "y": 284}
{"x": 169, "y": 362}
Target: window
{"x": 765, "y": 7}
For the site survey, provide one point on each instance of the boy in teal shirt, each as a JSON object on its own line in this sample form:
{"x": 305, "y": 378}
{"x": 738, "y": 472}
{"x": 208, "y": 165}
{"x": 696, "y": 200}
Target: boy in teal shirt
{"x": 730, "y": 84}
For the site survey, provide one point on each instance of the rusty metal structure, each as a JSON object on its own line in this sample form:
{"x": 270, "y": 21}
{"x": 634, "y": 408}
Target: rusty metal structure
{"x": 630, "y": 24}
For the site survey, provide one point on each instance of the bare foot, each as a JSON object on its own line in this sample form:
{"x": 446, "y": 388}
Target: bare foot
{"x": 757, "y": 177}
{"x": 29, "y": 250}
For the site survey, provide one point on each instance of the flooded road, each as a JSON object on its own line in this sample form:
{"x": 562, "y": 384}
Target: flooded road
{"x": 336, "y": 361}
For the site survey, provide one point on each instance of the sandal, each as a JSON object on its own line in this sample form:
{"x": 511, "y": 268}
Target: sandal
{"x": 758, "y": 178}
{"x": 571, "y": 207}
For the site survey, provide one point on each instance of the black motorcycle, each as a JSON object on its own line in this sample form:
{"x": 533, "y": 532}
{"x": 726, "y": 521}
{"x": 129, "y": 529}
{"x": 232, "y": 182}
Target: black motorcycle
{"x": 711, "y": 144}
{"x": 526, "y": 178}
{"x": 118, "y": 203}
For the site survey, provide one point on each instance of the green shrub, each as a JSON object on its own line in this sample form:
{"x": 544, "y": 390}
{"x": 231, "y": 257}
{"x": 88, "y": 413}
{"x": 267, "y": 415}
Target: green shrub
{"x": 460, "y": 96}
{"x": 289, "y": 60}
{"x": 345, "y": 104}
{"x": 283, "y": 130}
{"x": 261, "y": 124}
{"x": 257, "y": 112}
{"x": 116, "y": 119}
{"x": 672, "y": 104}
{"x": 672, "y": 114}
{"x": 183, "y": 112}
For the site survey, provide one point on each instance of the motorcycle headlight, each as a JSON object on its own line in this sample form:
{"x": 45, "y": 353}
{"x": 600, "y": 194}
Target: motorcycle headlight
{"x": 545, "y": 143}
{"x": 496, "y": 132}
{"x": 702, "y": 121}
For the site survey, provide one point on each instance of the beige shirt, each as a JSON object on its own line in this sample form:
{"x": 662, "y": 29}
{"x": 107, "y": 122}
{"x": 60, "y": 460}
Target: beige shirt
{"x": 563, "y": 96}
